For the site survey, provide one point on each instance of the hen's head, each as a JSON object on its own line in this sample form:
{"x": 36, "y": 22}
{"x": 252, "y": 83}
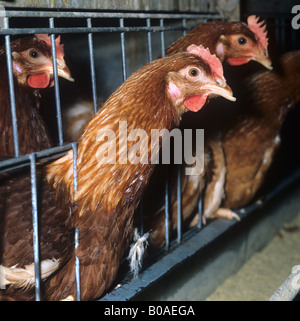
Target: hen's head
{"x": 244, "y": 42}
{"x": 202, "y": 78}
{"x": 32, "y": 61}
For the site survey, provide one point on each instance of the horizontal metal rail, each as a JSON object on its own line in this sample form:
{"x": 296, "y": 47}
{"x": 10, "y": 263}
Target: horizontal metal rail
{"x": 59, "y": 30}
{"x": 41, "y": 156}
{"x": 118, "y": 15}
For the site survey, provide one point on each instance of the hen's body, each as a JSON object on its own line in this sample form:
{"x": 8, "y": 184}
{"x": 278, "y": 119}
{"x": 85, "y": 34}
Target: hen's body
{"x": 249, "y": 146}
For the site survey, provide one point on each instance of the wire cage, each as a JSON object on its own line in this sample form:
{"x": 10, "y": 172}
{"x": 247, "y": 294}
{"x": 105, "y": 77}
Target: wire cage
{"x": 109, "y": 44}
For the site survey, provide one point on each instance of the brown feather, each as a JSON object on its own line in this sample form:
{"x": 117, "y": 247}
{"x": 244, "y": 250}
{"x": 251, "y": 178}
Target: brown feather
{"x": 108, "y": 194}
{"x": 55, "y": 230}
{"x": 32, "y": 132}
{"x": 56, "y": 233}
{"x": 250, "y": 144}
{"x": 208, "y": 34}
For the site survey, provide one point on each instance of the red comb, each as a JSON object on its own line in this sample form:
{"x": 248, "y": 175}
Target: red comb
{"x": 59, "y": 47}
{"x": 259, "y": 29}
{"x": 212, "y": 60}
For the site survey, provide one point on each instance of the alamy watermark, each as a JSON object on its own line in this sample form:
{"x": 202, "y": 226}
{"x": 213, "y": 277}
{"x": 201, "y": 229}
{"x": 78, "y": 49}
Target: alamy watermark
{"x": 296, "y": 19}
{"x": 114, "y": 147}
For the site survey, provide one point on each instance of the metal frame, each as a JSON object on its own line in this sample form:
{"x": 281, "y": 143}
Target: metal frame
{"x": 194, "y": 241}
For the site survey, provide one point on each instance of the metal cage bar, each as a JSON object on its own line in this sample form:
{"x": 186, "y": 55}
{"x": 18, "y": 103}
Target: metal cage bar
{"x": 184, "y": 26}
{"x": 179, "y": 206}
{"x": 149, "y": 38}
{"x": 200, "y": 211}
{"x": 123, "y": 49}
{"x": 117, "y": 15}
{"x": 76, "y": 236}
{"x": 162, "y": 38}
{"x": 92, "y": 64}
{"x": 11, "y": 90}
{"x": 167, "y": 211}
{"x": 61, "y": 30}
{"x": 35, "y": 224}
{"x": 141, "y": 214}
{"x": 56, "y": 83}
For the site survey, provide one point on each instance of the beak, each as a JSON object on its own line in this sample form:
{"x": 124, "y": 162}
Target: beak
{"x": 265, "y": 60}
{"x": 224, "y": 91}
{"x": 62, "y": 70}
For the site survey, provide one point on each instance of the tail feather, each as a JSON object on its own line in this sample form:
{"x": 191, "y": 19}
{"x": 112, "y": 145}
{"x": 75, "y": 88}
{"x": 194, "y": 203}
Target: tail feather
{"x": 25, "y": 277}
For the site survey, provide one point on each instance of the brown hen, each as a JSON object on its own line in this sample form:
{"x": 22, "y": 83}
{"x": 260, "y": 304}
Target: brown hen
{"x": 154, "y": 97}
{"x": 32, "y": 70}
{"x": 235, "y": 43}
{"x": 250, "y": 144}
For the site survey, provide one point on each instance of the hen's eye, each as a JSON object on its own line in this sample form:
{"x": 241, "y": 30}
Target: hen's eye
{"x": 194, "y": 72}
{"x": 242, "y": 40}
{"x": 33, "y": 54}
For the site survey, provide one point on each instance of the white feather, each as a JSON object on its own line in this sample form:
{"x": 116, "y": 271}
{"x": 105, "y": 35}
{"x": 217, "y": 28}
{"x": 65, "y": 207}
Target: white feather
{"x": 25, "y": 277}
{"x": 136, "y": 253}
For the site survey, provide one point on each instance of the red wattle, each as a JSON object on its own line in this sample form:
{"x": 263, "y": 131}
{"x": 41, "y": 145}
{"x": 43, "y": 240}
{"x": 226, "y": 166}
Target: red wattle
{"x": 195, "y": 103}
{"x": 39, "y": 81}
{"x": 237, "y": 61}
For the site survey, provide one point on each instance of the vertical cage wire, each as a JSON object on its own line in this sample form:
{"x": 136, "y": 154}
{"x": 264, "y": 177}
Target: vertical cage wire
{"x": 35, "y": 225}
{"x": 77, "y": 261}
{"x": 162, "y": 38}
{"x": 123, "y": 49}
{"x": 167, "y": 211}
{"x": 141, "y": 213}
{"x": 282, "y": 32}
{"x": 11, "y": 90}
{"x": 149, "y": 38}
{"x": 56, "y": 85}
{"x": 167, "y": 234}
{"x": 294, "y": 39}
{"x": 184, "y": 26}
{"x": 179, "y": 205}
{"x": 200, "y": 212}
{"x": 92, "y": 65}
